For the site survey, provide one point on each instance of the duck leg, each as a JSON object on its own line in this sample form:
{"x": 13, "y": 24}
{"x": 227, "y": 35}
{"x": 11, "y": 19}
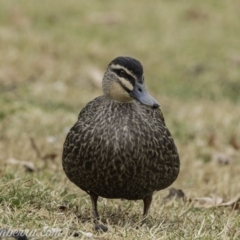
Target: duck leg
{"x": 94, "y": 199}
{"x": 147, "y": 202}
{"x": 98, "y": 226}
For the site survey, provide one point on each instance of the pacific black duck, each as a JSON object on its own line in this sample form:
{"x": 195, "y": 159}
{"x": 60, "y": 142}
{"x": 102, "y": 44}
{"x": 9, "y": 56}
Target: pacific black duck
{"x": 120, "y": 146}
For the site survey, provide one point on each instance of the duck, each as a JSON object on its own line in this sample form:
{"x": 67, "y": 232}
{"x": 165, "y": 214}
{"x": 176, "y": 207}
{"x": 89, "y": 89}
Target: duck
{"x": 120, "y": 146}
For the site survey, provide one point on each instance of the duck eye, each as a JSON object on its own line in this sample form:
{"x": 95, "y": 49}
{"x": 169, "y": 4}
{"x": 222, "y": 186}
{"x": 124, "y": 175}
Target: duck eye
{"x": 122, "y": 73}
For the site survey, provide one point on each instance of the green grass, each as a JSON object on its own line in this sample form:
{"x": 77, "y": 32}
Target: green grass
{"x": 191, "y": 57}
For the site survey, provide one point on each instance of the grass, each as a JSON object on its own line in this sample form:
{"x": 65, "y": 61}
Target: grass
{"x": 190, "y": 53}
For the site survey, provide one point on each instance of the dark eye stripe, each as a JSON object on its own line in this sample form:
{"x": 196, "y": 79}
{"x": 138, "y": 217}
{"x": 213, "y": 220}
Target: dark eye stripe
{"x": 126, "y": 75}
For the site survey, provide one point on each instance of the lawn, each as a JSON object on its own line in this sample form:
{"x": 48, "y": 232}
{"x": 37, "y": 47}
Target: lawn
{"x": 53, "y": 56}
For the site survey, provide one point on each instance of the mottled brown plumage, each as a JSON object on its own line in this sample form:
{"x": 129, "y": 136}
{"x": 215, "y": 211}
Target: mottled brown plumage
{"x": 121, "y": 149}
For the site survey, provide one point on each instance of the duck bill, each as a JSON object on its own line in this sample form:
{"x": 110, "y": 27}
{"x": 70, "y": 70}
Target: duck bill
{"x": 140, "y": 94}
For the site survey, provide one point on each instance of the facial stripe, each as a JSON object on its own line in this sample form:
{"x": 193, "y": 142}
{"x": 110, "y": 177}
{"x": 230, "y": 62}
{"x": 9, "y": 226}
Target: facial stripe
{"x": 117, "y": 66}
{"x": 126, "y": 84}
{"x": 128, "y": 81}
{"x": 127, "y": 77}
{"x": 118, "y": 93}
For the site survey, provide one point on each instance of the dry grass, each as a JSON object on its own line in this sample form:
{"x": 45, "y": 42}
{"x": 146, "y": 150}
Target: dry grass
{"x": 190, "y": 52}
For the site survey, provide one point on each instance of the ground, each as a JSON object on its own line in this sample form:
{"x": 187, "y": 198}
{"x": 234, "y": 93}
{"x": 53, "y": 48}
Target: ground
{"x": 53, "y": 55}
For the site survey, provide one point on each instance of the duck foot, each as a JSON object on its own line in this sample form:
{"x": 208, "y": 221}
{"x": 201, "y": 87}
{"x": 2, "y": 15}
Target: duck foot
{"x": 100, "y": 227}
{"x": 140, "y": 224}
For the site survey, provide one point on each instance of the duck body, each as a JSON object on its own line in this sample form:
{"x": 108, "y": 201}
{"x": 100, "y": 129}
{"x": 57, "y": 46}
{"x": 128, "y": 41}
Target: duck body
{"x": 120, "y": 146}
{"x": 120, "y": 150}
